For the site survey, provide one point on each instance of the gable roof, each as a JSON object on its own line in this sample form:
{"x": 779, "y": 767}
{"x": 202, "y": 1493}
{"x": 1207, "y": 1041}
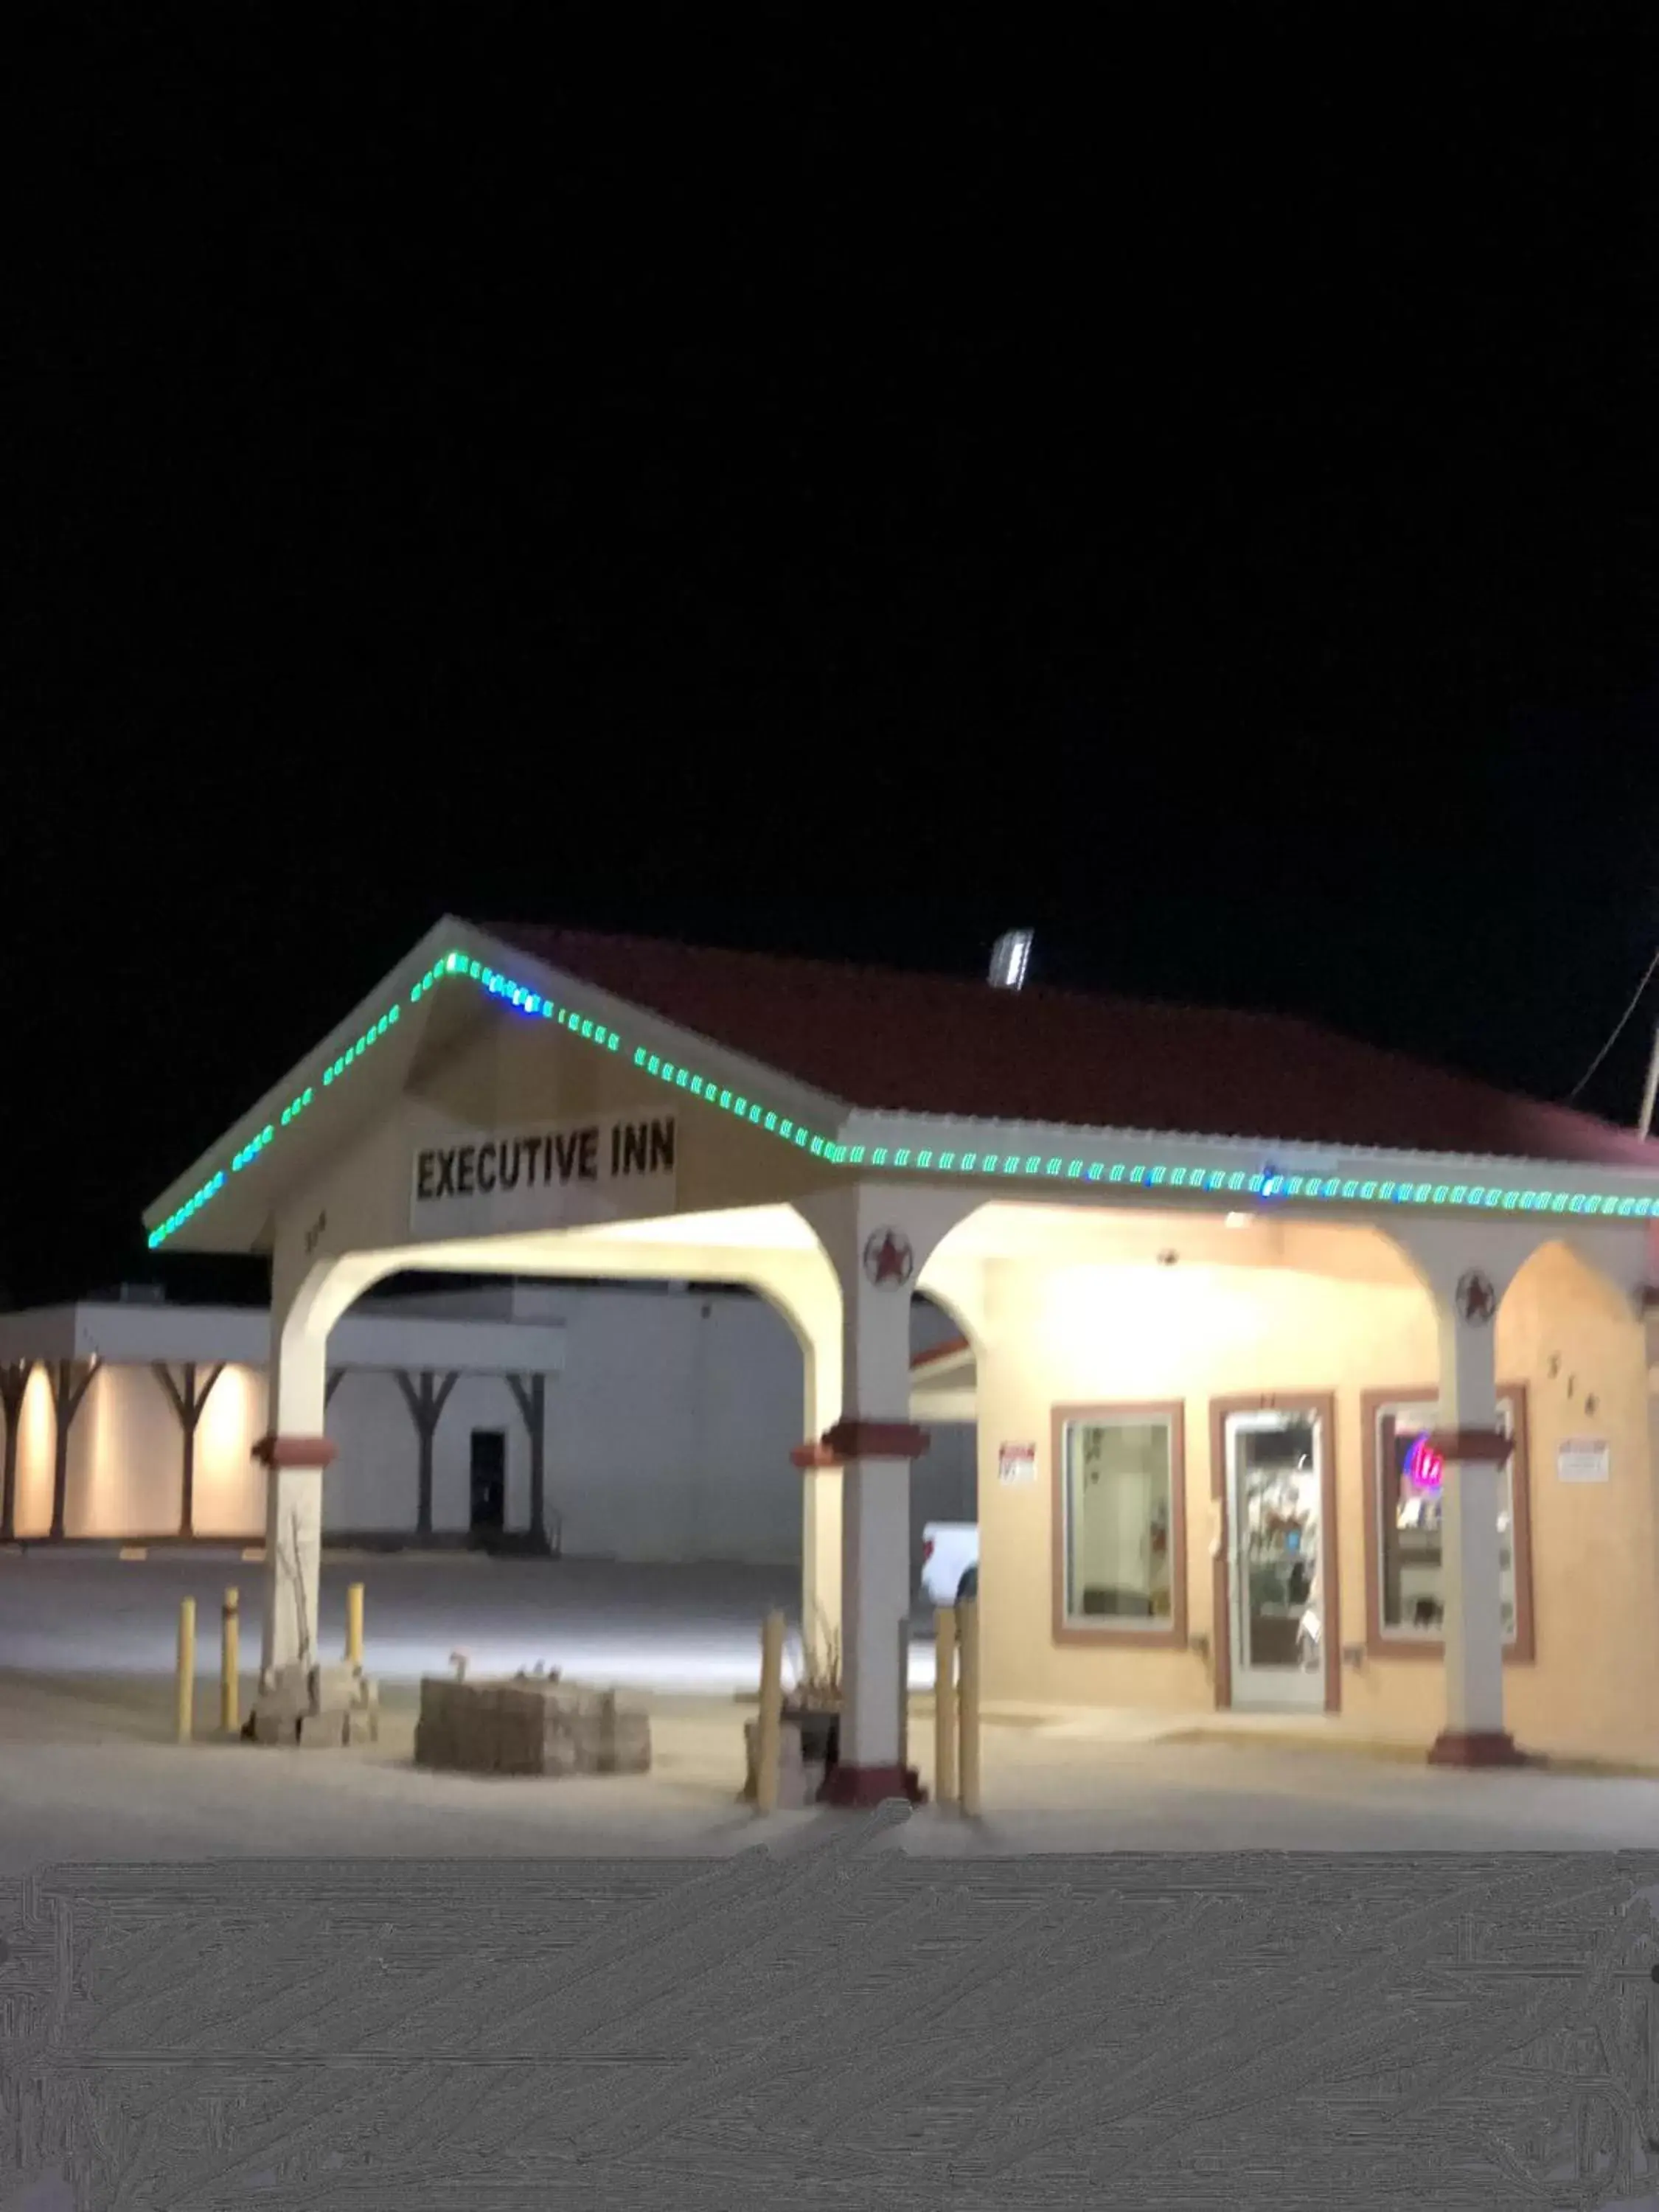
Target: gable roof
{"x": 892, "y": 1041}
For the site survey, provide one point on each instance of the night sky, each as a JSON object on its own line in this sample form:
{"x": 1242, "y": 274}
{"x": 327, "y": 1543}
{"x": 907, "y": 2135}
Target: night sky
{"x": 838, "y": 487}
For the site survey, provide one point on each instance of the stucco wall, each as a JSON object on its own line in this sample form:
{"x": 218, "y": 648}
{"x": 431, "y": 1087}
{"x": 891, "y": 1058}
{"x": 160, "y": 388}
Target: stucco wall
{"x": 1120, "y": 1333}
{"x": 126, "y": 1457}
{"x": 35, "y": 1440}
{"x": 503, "y": 1075}
{"x": 671, "y": 1428}
{"x": 1595, "y": 1570}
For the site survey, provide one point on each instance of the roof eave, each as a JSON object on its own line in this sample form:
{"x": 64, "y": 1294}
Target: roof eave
{"x": 650, "y": 1039}
{"x": 1149, "y": 1159}
{"x": 306, "y": 1074}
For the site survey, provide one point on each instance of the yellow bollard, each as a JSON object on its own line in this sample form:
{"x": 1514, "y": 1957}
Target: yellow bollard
{"x": 769, "y": 1732}
{"x": 968, "y": 1704}
{"x": 230, "y": 1665}
{"x": 355, "y": 1625}
{"x": 945, "y": 1706}
{"x": 186, "y": 1715}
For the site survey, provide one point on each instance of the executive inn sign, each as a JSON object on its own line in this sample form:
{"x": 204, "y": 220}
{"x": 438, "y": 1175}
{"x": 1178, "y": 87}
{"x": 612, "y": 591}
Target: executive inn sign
{"x": 544, "y": 1176}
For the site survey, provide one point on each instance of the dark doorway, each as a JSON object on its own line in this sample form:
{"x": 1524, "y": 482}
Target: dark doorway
{"x": 489, "y": 1485}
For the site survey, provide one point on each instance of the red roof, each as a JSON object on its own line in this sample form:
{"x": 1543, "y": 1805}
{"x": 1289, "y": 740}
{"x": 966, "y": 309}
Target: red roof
{"x": 882, "y": 1039}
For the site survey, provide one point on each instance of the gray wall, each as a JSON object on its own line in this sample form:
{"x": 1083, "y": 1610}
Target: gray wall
{"x": 671, "y": 1426}
{"x": 668, "y": 1434}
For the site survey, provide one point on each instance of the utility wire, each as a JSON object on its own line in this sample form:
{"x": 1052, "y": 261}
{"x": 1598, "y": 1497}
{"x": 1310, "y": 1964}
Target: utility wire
{"x": 1618, "y": 1028}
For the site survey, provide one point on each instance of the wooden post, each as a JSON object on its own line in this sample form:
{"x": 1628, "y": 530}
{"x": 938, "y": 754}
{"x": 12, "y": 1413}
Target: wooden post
{"x": 70, "y": 1381}
{"x": 353, "y": 1651}
{"x": 530, "y": 1395}
{"x": 426, "y": 1408}
{"x": 186, "y": 1684}
{"x": 230, "y": 1665}
{"x": 768, "y": 1735}
{"x": 967, "y": 1617}
{"x": 945, "y": 1706}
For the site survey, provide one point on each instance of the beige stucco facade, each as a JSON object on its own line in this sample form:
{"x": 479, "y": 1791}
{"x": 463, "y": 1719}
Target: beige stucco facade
{"x": 1340, "y": 1313}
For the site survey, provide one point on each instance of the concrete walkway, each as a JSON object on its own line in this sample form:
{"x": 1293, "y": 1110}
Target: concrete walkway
{"x": 87, "y": 1772}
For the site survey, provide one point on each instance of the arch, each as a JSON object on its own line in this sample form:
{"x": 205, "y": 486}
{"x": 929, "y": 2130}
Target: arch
{"x": 804, "y": 1288}
{"x": 969, "y": 1326}
{"x": 934, "y": 1282}
{"x": 299, "y": 1351}
{"x": 1321, "y": 1240}
{"x": 1614, "y": 1263}
{"x": 332, "y": 1285}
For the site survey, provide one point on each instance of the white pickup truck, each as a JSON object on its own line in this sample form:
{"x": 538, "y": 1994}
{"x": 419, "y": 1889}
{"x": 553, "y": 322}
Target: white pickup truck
{"x": 949, "y": 1560}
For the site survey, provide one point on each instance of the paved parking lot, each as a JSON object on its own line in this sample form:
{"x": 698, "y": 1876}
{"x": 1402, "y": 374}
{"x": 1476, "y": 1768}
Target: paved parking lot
{"x": 87, "y": 1770}
{"x": 691, "y": 1630}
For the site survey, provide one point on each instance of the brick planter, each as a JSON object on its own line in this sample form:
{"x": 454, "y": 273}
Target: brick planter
{"x": 528, "y": 1726}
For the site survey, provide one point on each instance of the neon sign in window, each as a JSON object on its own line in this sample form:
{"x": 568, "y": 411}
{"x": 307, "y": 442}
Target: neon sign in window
{"x": 1424, "y": 1467}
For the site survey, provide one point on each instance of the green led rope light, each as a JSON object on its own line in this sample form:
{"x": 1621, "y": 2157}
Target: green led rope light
{"x": 1140, "y": 1174}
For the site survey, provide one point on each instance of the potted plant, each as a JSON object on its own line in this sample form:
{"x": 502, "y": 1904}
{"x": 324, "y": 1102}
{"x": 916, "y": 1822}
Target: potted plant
{"x": 813, "y": 1704}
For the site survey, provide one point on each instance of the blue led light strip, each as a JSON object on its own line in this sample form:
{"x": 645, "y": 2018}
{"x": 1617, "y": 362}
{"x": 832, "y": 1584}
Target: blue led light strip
{"x": 1147, "y": 1175}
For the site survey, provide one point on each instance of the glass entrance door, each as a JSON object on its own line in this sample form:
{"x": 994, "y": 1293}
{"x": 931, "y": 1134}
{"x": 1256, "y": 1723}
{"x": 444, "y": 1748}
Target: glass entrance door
{"x": 1275, "y": 1468}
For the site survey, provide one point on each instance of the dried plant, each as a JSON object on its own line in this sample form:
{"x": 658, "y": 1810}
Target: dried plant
{"x": 818, "y": 1679}
{"x": 290, "y": 1569}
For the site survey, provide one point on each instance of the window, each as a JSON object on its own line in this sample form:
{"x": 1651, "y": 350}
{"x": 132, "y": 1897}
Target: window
{"x": 1119, "y": 1541}
{"x": 1407, "y": 1600}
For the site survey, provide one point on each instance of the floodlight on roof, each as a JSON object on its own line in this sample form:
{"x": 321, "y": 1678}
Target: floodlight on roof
{"x": 1010, "y": 956}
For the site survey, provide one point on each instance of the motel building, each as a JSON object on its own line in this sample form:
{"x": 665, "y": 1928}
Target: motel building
{"x": 1304, "y": 1380}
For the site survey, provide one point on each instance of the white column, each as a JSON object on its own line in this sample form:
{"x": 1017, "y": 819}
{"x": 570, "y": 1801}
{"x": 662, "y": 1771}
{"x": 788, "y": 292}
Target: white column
{"x": 1467, "y": 1266}
{"x": 820, "y": 1485}
{"x": 877, "y": 1250}
{"x": 876, "y": 1598}
{"x": 294, "y": 1452}
{"x": 1474, "y": 1731}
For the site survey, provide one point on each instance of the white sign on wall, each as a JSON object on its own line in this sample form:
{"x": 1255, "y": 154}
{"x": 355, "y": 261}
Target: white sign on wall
{"x": 1583, "y": 1459}
{"x": 539, "y": 1175}
{"x": 1016, "y": 1463}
